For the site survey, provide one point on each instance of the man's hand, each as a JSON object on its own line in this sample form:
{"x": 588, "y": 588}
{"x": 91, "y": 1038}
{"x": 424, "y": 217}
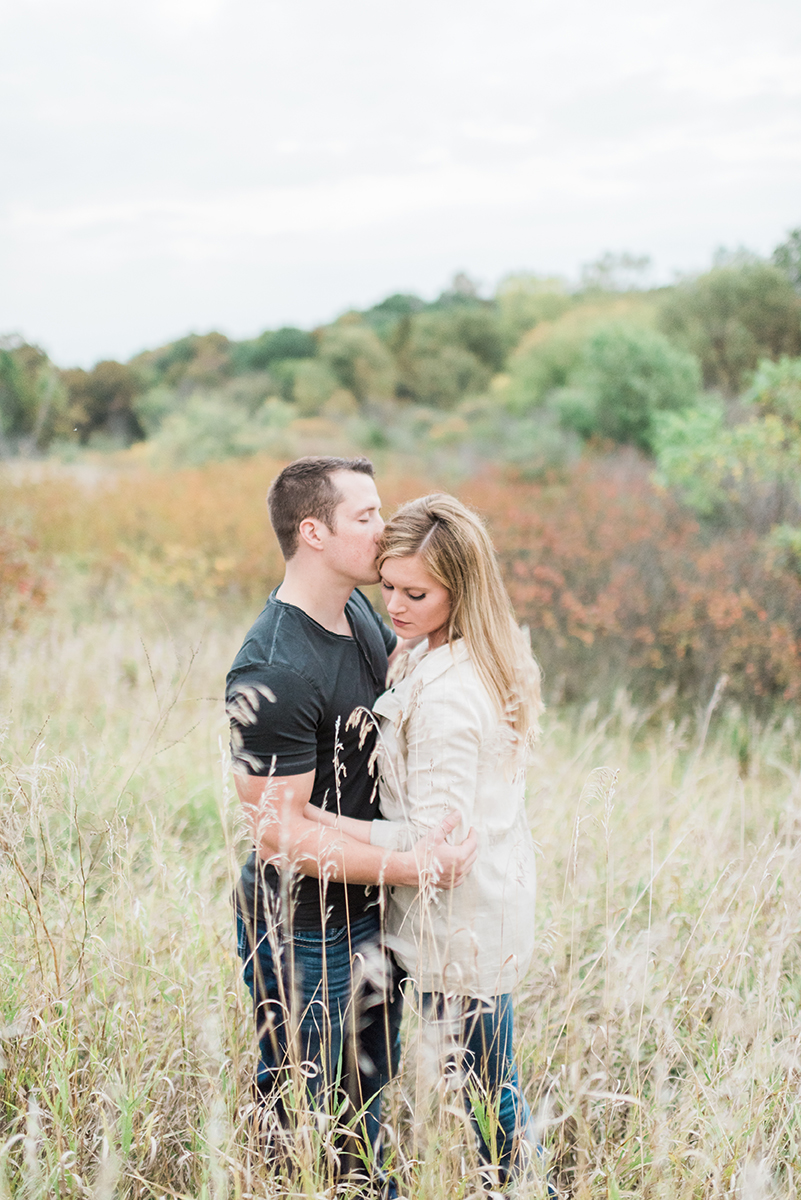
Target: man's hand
{"x": 438, "y": 862}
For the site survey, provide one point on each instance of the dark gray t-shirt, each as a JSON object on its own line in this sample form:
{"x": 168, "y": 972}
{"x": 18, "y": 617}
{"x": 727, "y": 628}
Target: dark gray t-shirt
{"x": 317, "y": 679}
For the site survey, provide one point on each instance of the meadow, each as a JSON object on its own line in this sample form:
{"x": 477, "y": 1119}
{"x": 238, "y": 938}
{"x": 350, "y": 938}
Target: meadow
{"x": 658, "y": 1028}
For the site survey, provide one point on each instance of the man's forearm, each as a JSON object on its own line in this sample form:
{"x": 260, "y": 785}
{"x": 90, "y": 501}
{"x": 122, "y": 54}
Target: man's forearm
{"x": 310, "y": 848}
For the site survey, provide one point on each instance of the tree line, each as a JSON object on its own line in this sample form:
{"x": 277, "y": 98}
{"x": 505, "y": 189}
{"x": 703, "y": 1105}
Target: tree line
{"x": 600, "y": 361}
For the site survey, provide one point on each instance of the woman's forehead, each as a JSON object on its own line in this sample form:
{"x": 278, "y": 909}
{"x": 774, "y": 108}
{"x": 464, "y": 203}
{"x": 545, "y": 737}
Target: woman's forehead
{"x": 407, "y": 572}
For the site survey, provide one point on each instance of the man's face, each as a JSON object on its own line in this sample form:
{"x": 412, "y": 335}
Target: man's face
{"x": 353, "y": 545}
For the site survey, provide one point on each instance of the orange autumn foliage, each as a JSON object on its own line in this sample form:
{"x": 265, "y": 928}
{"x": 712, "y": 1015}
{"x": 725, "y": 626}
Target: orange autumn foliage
{"x": 23, "y": 586}
{"x": 617, "y": 582}
{"x": 620, "y": 585}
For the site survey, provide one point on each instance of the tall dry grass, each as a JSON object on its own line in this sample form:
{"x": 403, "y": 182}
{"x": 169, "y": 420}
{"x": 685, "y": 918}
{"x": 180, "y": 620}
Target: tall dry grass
{"x": 658, "y": 1030}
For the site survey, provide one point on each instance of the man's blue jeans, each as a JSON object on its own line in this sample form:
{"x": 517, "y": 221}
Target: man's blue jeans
{"x": 328, "y": 1008}
{"x": 476, "y": 1036}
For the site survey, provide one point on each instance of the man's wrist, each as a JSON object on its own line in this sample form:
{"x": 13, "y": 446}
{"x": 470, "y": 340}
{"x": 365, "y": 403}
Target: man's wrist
{"x": 406, "y": 868}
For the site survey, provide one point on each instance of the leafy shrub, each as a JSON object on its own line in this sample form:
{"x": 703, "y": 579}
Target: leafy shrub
{"x": 784, "y": 548}
{"x": 618, "y": 582}
{"x": 620, "y": 586}
{"x": 733, "y": 316}
{"x": 104, "y": 400}
{"x": 33, "y": 400}
{"x": 551, "y": 352}
{"x": 210, "y": 427}
{"x": 442, "y": 376}
{"x": 384, "y": 317}
{"x": 787, "y": 257}
{"x": 776, "y": 391}
{"x": 270, "y": 347}
{"x": 22, "y": 580}
{"x": 746, "y": 471}
{"x": 534, "y": 444}
{"x": 625, "y": 377}
{"x": 198, "y": 360}
{"x": 523, "y": 301}
{"x": 313, "y": 383}
{"x": 358, "y": 359}
{"x": 479, "y": 331}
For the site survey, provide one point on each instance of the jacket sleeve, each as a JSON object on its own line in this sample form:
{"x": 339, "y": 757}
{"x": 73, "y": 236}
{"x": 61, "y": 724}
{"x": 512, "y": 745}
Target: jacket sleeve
{"x": 392, "y": 835}
{"x": 444, "y": 734}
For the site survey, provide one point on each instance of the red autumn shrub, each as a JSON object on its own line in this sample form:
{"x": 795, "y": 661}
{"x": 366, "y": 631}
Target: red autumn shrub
{"x": 22, "y": 584}
{"x": 619, "y": 585}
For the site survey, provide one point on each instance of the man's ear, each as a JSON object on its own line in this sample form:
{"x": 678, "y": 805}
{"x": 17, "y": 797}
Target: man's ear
{"x": 309, "y": 533}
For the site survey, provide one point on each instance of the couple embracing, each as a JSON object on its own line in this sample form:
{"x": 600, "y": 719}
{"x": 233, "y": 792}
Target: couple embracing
{"x": 391, "y": 848}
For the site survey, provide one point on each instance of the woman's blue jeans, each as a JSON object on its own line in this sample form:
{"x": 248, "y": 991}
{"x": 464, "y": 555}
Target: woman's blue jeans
{"x": 477, "y": 1038}
{"x": 328, "y": 1006}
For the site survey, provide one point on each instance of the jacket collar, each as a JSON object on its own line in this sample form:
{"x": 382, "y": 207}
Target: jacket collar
{"x": 424, "y": 665}
{"x": 430, "y": 664}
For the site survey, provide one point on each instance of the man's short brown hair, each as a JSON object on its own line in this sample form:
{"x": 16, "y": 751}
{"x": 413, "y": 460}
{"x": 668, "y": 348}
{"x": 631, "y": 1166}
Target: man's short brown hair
{"x": 305, "y": 489}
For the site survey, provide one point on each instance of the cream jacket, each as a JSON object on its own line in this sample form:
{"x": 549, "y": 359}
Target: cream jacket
{"x": 441, "y": 746}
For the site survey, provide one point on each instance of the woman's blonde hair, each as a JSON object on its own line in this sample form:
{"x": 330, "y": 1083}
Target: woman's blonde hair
{"x": 456, "y": 550}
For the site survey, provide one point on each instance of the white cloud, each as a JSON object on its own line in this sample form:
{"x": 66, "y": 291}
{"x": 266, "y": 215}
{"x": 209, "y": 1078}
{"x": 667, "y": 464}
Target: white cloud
{"x": 743, "y": 77}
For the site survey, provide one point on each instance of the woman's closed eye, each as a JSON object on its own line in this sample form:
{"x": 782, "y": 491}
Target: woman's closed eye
{"x": 387, "y": 587}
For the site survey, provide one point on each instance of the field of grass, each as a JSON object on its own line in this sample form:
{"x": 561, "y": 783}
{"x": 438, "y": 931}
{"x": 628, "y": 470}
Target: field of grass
{"x": 658, "y": 1029}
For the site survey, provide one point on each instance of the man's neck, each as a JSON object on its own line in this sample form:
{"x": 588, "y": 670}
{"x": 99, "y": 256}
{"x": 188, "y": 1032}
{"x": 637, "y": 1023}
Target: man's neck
{"x": 318, "y": 595}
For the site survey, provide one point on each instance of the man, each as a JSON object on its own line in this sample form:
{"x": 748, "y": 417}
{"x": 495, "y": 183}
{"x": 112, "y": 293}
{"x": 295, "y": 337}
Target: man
{"x": 325, "y": 993}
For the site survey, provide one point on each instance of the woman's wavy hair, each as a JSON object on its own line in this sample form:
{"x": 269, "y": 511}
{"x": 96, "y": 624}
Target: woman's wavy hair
{"x": 456, "y": 550}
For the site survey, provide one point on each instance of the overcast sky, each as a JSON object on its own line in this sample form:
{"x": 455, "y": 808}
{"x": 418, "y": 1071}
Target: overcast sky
{"x": 177, "y": 165}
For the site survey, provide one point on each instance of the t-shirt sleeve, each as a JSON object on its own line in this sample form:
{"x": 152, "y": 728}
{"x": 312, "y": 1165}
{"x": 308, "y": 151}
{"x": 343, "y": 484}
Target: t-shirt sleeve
{"x": 274, "y": 721}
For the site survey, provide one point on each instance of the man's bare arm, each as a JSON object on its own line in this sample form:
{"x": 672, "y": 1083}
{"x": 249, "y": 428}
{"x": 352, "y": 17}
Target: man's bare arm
{"x": 284, "y": 836}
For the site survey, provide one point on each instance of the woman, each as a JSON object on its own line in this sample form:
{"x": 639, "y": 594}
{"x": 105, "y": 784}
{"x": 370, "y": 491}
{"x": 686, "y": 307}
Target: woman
{"x": 454, "y": 734}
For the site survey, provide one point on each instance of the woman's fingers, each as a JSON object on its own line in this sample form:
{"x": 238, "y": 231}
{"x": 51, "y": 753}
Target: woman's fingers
{"x": 452, "y": 864}
{"x": 449, "y": 822}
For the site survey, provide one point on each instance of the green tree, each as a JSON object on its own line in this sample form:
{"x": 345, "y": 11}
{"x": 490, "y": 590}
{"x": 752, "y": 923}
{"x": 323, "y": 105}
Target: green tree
{"x": 358, "y": 359}
{"x": 626, "y": 376}
{"x": 102, "y": 400}
{"x": 195, "y": 361}
{"x": 615, "y": 272}
{"x": 270, "y": 347}
{"x": 435, "y": 367}
{"x": 776, "y": 391}
{"x": 33, "y": 401}
{"x": 523, "y": 301}
{"x": 19, "y": 363}
{"x": 384, "y": 317}
{"x": 313, "y": 383}
{"x": 749, "y": 471}
{"x": 479, "y": 331}
{"x": 733, "y": 316}
{"x": 787, "y": 257}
